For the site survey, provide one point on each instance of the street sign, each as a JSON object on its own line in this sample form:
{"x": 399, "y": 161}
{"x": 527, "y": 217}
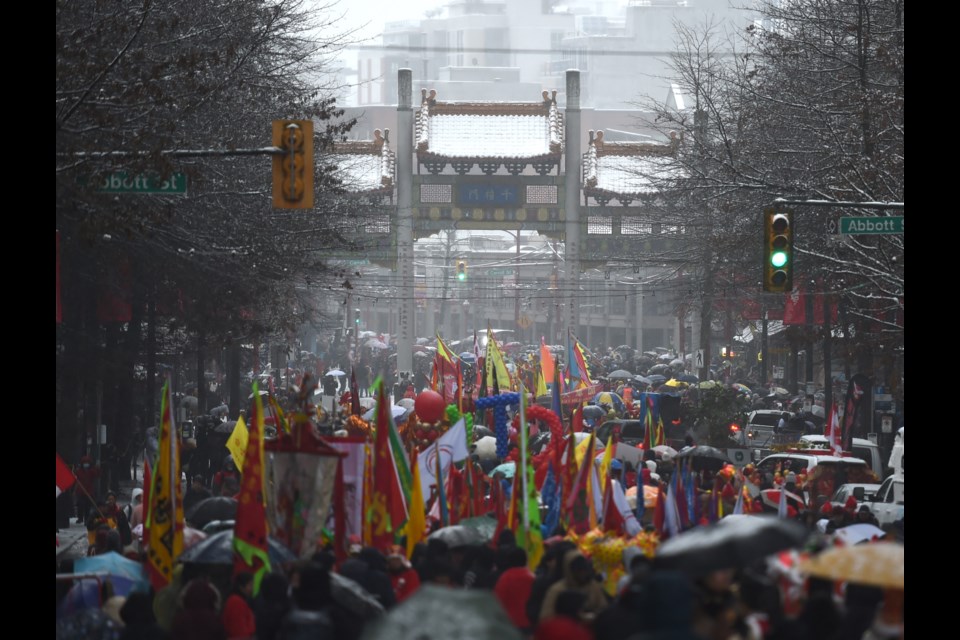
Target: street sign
{"x": 699, "y": 359}
{"x": 739, "y": 457}
{"x": 872, "y": 225}
{"x": 494, "y": 273}
{"x": 778, "y": 373}
{"x": 122, "y": 182}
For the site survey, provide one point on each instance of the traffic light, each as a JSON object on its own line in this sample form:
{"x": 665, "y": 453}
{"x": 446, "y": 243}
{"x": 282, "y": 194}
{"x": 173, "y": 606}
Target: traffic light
{"x": 777, "y": 251}
{"x": 293, "y": 169}
{"x": 461, "y": 271}
{"x": 356, "y": 317}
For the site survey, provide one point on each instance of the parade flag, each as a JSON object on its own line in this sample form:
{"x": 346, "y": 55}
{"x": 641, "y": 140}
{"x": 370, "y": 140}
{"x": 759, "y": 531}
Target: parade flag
{"x": 547, "y": 363}
{"x": 859, "y": 383}
{"x": 450, "y": 380}
{"x": 237, "y": 443}
{"x": 551, "y": 493}
{"x": 441, "y": 505}
{"x": 541, "y": 383}
{"x": 530, "y": 538}
{"x": 604, "y": 471}
{"x": 612, "y": 519}
{"x": 578, "y": 362}
{"x": 568, "y": 469}
{"x": 555, "y": 403}
{"x": 65, "y": 477}
{"x": 579, "y": 504}
{"x": 250, "y": 527}
{"x": 165, "y": 511}
{"x": 280, "y": 421}
{"x": 646, "y": 416}
{"x": 457, "y": 495}
{"x": 834, "y": 437}
{"x": 496, "y": 368}
{"x": 417, "y": 519}
{"x": 449, "y": 448}
{"x": 671, "y": 517}
{"x": 388, "y": 509}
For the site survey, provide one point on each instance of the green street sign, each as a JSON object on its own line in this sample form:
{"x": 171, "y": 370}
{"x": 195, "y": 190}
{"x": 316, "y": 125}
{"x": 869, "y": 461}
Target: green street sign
{"x": 122, "y": 182}
{"x": 859, "y": 226}
{"x": 493, "y": 273}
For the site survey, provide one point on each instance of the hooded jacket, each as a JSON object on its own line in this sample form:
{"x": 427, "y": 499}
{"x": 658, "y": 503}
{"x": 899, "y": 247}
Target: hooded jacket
{"x": 596, "y": 599}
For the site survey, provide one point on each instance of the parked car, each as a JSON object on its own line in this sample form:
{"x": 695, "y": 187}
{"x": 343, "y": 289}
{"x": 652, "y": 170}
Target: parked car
{"x": 860, "y": 492}
{"x": 887, "y": 504}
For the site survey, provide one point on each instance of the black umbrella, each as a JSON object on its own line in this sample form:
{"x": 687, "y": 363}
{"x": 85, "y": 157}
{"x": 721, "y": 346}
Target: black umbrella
{"x": 480, "y": 431}
{"x": 688, "y": 377}
{"x": 704, "y": 457}
{"x": 620, "y": 374}
{"x": 210, "y": 509}
{"x": 734, "y": 542}
{"x": 656, "y": 378}
{"x": 351, "y": 596}
{"x": 218, "y": 549}
{"x": 225, "y": 427}
{"x": 593, "y": 412}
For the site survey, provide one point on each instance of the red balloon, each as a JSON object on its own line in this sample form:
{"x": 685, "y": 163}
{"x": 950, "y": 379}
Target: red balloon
{"x": 429, "y": 406}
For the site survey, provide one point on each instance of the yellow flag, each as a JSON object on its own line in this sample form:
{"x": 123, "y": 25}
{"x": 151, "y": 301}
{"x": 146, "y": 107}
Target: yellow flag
{"x": 581, "y": 449}
{"x": 605, "y": 463}
{"x": 541, "y": 384}
{"x": 164, "y": 518}
{"x": 237, "y": 444}
{"x": 416, "y": 518}
{"x": 495, "y": 366}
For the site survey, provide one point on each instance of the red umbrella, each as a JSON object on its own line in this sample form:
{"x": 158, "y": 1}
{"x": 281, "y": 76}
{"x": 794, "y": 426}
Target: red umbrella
{"x": 771, "y": 499}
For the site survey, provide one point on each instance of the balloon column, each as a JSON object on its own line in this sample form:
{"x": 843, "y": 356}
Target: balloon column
{"x": 499, "y": 404}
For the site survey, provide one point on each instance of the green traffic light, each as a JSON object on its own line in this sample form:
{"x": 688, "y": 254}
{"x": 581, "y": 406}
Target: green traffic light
{"x": 778, "y": 258}
{"x": 461, "y": 276}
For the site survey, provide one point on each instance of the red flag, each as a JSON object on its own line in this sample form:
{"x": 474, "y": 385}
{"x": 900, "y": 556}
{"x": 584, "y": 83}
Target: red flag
{"x": 568, "y": 475}
{"x": 65, "y": 477}
{"x": 612, "y": 519}
{"x": 388, "y": 509}
{"x": 457, "y": 494}
{"x": 578, "y": 419}
{"x": 250, "y": 526}
{"x": 832, "y": 431}
{"x": 577, "y": 503}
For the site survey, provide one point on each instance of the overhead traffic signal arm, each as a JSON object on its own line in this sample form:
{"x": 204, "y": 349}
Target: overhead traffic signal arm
{"x": 293, "y": 166}
{"x": 777, "y": 251}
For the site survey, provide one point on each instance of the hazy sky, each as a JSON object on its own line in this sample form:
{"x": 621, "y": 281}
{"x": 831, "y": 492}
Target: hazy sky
{"x": 370, "y": 15}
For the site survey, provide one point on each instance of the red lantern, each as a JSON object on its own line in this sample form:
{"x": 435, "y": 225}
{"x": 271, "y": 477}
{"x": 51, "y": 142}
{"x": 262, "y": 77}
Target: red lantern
{"x": 429, "y": 406}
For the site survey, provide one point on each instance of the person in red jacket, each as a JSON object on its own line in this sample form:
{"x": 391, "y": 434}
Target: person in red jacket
{"x": 237, "y": 613}
{"x": 513, "y": 588}
{"x": 404, "y": 579}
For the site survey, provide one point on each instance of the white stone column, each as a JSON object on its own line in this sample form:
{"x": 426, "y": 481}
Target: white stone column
{"x": 406, "y": 329}
{"x": 572, "y": 160}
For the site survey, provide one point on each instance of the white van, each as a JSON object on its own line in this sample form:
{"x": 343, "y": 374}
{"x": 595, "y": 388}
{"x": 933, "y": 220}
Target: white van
{"x": 866, "y": 450}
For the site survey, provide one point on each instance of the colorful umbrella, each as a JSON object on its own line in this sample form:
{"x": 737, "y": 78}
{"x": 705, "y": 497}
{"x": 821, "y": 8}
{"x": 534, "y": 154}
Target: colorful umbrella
{"x": 610, "y": 400}
{"x": 879, "y": 564}
{"x": 771, "y": 498}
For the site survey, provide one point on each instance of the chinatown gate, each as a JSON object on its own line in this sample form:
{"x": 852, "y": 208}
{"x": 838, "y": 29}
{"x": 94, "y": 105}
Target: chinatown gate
{"x": 515, "y": 166}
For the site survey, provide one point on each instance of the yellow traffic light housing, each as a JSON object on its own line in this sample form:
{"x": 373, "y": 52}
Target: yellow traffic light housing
{"x": 293, "y": 169}
{"x": 777, "y": 251}
{"x": 461, "y": 271}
